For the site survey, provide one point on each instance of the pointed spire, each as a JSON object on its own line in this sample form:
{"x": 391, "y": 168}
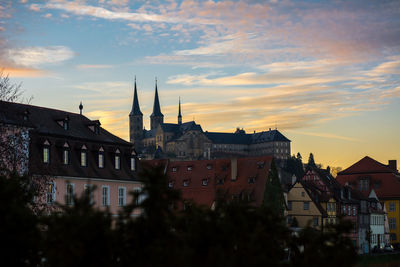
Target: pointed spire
{"x": 135, "y": 105}
{"x": 156, "y": 106}
{"x": 179, "y": 113}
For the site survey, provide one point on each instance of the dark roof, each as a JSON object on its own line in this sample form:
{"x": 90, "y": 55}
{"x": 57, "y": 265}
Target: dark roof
{"x": 149, "y": 133}
{"x": 45, "y": 121}
{"x": 268, "y": 136}
{"x": 179, "y": 129}
{"x": 243, "y": 138}
{"x": 135, "y": 105}
{"x": 156, "y": 106}
{"x": 228, "y": 138}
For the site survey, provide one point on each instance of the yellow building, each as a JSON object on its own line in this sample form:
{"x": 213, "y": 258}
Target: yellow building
{"x": 301, "y": 205}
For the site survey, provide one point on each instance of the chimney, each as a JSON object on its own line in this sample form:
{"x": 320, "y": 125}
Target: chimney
{"x": 234, "y": 169}
{"x": 393, "y": 164}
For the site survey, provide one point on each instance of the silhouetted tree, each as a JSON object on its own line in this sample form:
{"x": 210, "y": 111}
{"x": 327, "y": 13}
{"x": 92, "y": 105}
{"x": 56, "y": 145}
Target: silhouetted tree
{"x": 311, "y": 161}
{"x": 78, "y": 235}
{"x": 273, "y": 193}
{"x": 19, "y": 226}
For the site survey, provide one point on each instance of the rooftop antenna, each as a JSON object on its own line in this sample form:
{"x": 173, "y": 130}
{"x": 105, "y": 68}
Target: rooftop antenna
{"x": 80, "y": 108}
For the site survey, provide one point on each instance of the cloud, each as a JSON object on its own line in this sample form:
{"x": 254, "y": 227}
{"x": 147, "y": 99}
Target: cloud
{"x": 36, "y": 56}
{"x": 88, "y": 66}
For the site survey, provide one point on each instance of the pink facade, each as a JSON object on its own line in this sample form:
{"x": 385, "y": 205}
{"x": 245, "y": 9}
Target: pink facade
{"x": 112, "y": 199}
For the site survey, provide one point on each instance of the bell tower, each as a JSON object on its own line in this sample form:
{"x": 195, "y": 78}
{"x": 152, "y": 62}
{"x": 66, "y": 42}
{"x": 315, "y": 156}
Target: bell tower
{"x": 156, "y": 118}
{"x": 135, "y": 119}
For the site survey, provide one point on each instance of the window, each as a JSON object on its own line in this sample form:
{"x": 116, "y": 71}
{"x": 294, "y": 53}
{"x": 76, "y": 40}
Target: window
{"x": 139, "y": 196}
{"x": 220, "y": 181}
{"x": 117, "y": 162}
{"x": 51, "y": 193}
{"x": 185, "y": 182}
{"x": 174, "y": 169}
{"x": 315, "y": 221}
{"x": 303, "y": 194}
{"x": 101, "y": 160}
{"x": 171, "y": 184}
{"x": 121, "y": 196}
{"x": 133, "y": 164}
{"x": 46, "y": 154}
{"x": 69, "y": 198}
{"x": 393, "y": 237}
{"x": 392, "y": 223}
{"x": 189, "y": 168}
{"x": 252, "y": 180}
{"x": 65, "y": 124}
{"x": 83, "y": 158}
{"x": 392, "y": 206}
{"x": 88, "y": 190}
{"x": 66, "y": 157}
{"x": 204, "y": 182}
{"x": 209, "y": 166}
{"x": 344, "y": 209}
{"x": 363, "y": 184}
{"x": 289, "y": 205}
{"x": 105, "y": 195}
{"x": 306, "y": 205}
{"x": 354, "y": 211}
{"x": 349, "y": 210}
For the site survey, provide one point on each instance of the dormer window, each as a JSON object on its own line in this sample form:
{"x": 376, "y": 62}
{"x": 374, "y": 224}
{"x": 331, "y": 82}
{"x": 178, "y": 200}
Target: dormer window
{"x": 66, "y": 154}
{"x": 101, "y": 158}
{"x": 46, "y": 152}
{"x": 66, "y": 124}
{"x": 94, "y": 126}
{"x": 133, "y": 163}
{"x": 117, "y": 160}
{"x": 26, "y": 114}
{"x": 84, "y": 156}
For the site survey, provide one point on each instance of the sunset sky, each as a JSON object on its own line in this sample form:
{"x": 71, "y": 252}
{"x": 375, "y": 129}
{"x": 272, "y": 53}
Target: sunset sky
{"x": 325, "y": 73}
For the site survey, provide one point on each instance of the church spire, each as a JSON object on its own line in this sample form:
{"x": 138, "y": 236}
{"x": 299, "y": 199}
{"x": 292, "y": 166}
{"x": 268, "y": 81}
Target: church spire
{"x": 179, "y": 113}
{"x": 156, "y": 106}
{"x": 135, "y": 105}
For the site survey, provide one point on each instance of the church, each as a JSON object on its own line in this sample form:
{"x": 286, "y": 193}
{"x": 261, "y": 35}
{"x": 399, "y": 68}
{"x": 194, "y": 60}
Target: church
{"x": 188, "y": 141}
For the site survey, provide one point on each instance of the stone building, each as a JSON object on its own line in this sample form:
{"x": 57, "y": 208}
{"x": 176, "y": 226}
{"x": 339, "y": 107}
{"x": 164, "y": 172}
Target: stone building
{"x": 188, "y": 141}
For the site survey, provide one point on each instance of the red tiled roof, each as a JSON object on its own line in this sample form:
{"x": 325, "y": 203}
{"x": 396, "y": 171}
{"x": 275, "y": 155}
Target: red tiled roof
{"x": 382, "y": 179}
{"x": 215, "y": 171}
{"x": 366, "y": 165}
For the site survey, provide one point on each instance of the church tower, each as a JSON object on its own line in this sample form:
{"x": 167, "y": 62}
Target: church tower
{"x": 156, "y": 117}
{"x": 179, "y": 113}
{"x": 135, "y": 120}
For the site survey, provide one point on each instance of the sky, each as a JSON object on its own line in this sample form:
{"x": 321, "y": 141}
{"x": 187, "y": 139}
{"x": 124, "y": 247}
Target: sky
{"x": 324, "y": 73}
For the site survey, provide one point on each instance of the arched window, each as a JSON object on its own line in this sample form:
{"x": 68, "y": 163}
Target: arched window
{"x": 66, "y": 154}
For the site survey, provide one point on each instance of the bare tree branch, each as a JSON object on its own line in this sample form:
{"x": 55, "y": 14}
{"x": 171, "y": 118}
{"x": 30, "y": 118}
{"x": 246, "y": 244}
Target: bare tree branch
{"x": 11, "y": 92}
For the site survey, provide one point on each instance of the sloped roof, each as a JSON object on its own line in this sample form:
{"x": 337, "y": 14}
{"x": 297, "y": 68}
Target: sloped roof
{"x": 243, "y": 138}
{"x": 156, "y": 105}
{"x": 228, "y": 138}
{"x": 44, "y": 120}
{"x": 388, "y": 180}
{"x": 214, "y": 171}
{"x": 366, "y": 165}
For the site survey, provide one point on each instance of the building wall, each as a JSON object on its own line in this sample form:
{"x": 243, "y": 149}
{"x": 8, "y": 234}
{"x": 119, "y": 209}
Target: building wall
{"x": 393, "y": 215}
{"x": 79, "y": 185}
{"x": 297, "y": 196}
{"x": 377, "y": 227}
